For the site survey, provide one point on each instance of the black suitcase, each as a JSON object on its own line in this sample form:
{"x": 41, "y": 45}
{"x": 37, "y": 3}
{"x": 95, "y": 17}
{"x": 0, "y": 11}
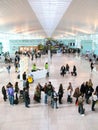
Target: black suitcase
{"x": 16, "y": 102}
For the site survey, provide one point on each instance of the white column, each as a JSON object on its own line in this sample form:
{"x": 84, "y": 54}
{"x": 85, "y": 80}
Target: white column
{"x": 49, "y": 61}
{"x": 23, "y": 66}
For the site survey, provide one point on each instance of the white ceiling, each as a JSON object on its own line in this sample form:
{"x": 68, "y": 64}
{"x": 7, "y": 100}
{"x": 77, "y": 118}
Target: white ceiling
{"x": 49, "y": 12}
{"x": 17, "y": 16}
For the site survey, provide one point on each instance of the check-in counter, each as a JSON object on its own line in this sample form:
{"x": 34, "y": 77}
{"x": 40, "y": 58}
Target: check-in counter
{"x": 39, "y": 74}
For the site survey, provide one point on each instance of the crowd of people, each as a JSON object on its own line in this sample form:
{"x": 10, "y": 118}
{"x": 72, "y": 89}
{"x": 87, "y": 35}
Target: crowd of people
{"x": 55, "y": 97}
{"x": 66, "y": 69}
{"x": 82, "y": 94}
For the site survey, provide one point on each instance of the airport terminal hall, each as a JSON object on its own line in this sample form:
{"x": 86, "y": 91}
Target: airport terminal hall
{"x": 48, "y": 64}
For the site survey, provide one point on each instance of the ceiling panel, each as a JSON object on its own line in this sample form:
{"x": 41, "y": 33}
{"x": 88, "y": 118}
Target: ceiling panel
{"x": 17, "y": 16}
{"x": 49, "y": 12}
{"x": 80, "y": 18}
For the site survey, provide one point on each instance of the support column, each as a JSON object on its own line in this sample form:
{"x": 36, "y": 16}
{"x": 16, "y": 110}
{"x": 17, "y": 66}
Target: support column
{"x": 49, "y": 57}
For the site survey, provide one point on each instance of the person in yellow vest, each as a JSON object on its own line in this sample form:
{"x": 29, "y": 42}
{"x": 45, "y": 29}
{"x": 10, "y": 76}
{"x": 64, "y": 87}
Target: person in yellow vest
{"x": 47, "y": 68}
{"x": 34, "y": 67}
{"x": 46, "y": 65}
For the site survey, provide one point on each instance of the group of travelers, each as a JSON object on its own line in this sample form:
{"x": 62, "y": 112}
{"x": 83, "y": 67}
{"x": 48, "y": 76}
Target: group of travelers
{"x": 66, "y": 69}
{"x": 49, "y": 93}
{"x": 82, "y": 93}
{"x": 85, "y": 93}
{"x": 11, "y": 93}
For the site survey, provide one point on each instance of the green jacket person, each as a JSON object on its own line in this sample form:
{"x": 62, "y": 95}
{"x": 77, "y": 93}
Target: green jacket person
{"x": 46, "y": 66}
{"x": 34, "y": 67}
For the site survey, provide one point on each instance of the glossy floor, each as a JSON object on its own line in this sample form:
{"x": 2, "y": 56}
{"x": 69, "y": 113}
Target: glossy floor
{"x": 41, "y": 116}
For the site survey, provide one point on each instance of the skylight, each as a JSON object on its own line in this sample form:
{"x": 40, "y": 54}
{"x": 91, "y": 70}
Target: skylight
{"x": 49, "y": 12}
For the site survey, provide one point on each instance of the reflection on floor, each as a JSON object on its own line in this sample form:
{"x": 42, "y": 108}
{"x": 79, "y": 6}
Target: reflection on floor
{"x": 41, "y": 116}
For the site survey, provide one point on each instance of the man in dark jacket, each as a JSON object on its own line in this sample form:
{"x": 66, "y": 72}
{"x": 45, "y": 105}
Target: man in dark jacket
{"x": 4, "y": 93}
{"x": 24, "y": 77}
{"x": 26, "y": 98}
{"x": 63, "y": 70}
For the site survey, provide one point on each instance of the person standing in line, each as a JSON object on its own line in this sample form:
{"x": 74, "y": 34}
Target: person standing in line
{"x": 69, "y": 93}
{"x": 83, "y": 88}
{"x": 26, "y": 97}
{"x": 10, "y": 93}
{"x": 48, "y": 89}
{"x": 37, "y": 94}
{"x": 96, "y": 91}
{"x": 94, "y": 99}
{"x": 54, "y": 98}
{"x": 4, "y": 93}
{"x": 81, "y": 109}
{"x": 76, "y": 95}
{"x": 16, "y": 92}
{"x": 89, "y": 90}
{"x": 27, "y": 85}
{"x": 46, "y": 92}
{"x": 60, "y": 93}
{"x": 24, "y": 77}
